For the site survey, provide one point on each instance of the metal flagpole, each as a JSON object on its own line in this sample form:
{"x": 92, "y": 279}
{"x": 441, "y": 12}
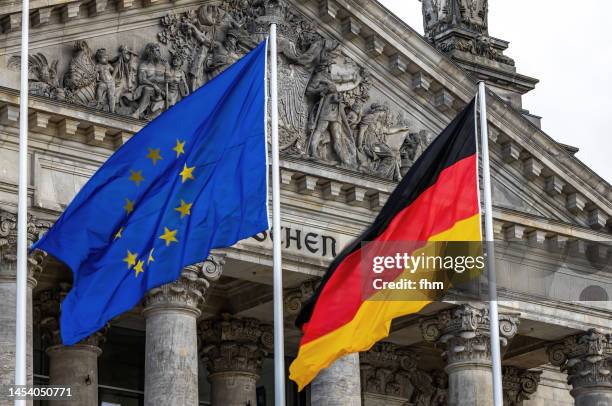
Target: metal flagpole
{"x": 279, "y": 343}
{"x": 488, "y": 208}
{"x": 22, "y": 215}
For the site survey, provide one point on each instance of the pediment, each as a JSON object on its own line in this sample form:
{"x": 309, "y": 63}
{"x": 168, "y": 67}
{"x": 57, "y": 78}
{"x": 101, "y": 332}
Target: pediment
{"x": 359, "y": 89}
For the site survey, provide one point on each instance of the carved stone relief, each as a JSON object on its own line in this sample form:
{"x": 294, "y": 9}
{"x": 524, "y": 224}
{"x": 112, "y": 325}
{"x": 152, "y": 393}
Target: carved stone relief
{"x": 439, "y": 15}
{"x": 326, "y": 112}
{"x": 389, "y": 370}
{"x": 469, "y": 18}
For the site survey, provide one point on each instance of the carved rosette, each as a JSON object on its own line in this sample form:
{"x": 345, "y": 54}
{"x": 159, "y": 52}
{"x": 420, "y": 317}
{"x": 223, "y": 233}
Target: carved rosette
{"x": 465, "y": 332}
{"x": 230, "y": 344}
{"x": 519, "y": 384}
{"x": 386, "y": 370}
{"x": 587, "y": 359}
{"x": 188, "y": 292}
{"x": 47, "y": 317}
{"x": 8, "y": 245}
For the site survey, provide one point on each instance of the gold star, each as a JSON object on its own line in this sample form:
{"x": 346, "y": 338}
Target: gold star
{"x": 187, "y": 173}
{"x": 154, "y": 155}
{"x": 136, "y": 177}
{"x": 138, "y": 268}
{"x": 151, "y": 259}
{"x": 129, "y": 206}
{"x": 179, "y": 148}
{"x": 130, "y": 259}
{"x": 118, "y": 235}
{"x": 184, "y": 208}
{"x": 169, "y": 236}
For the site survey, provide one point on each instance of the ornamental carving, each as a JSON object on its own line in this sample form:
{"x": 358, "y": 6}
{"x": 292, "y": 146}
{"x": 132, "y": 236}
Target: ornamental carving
{"x": 461, "y": 25}
{"x": 587, "y": 358}
{"x": 189, "y": 291}
{"x": 46, "y": 314}
{"x": 519, "y": 384}
{"x": 8, "y": 242}
{"x": 440, "y": 15}
{"x": 465, "y": 332}
{"x": 326, "y": 112}
{"x": 294, "y": 299}
{"x": 232, "y": 344}
{"x": 391, "y": 370}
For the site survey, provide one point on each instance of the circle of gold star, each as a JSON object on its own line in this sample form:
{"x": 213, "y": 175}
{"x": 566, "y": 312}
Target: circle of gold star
{"x": 169, "y": 236}
{"x": 184, "y": 208}
{"x": 187, "y": 173}
{"x": 154, "y": 155}
{"x": 136, "y": 177}
{"x": 179, "y": 148}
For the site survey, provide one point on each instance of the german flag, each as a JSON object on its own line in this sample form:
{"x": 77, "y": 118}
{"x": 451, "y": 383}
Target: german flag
{"x": 437, "y": 200}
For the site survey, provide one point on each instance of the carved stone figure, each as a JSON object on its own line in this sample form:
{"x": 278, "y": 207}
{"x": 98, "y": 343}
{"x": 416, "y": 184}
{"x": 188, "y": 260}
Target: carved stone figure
{"x": 126, "y": 69}
{"x": 224, "y": 53}
{"x": 328, "y": 115}
{"x": 295, "y": 70}
{"x": 322, "y": 91}
{"x": 42, "y": 76}
{"x": 176, "y": 81}
{"x": 149, "y": 96}
{"x": 379, "y": 143}
{"x": 80, "y": 78}
{"x": 197, "y": 73}
{"x": 105, "y": 79}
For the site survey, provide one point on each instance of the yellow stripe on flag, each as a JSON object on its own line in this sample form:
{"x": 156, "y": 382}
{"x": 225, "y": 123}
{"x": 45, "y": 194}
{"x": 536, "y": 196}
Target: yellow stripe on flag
{"x": 372, "y": 321}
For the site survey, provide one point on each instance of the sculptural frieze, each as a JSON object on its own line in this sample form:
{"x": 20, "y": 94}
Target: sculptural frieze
{"x": 326, "y": 109}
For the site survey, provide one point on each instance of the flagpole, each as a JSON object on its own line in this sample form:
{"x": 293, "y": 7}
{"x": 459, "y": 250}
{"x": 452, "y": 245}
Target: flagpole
{"x": 492, "y": 276}
{"x": 22, "y": 214}
{"x": 279, "y": 343}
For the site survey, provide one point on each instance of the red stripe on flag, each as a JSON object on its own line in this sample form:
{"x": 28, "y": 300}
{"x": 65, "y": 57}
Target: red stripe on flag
{"x": 452, "y": 198}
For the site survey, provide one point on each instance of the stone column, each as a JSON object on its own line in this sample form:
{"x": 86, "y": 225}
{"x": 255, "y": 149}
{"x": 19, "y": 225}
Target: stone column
{"x": 171, "y": 352}
{"x": 339, "y": 384}
{"x": 519, "y": 384}
{"x": 8, "y": 292}
{"x": 464, "y": 332}
{"x": 233, "y": 349}
{"x": 75, "y": 366}
{"x": 587, "y": 359}
{"x": 385, "y": 375}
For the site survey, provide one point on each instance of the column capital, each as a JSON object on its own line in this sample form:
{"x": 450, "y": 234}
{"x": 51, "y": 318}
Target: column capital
{"x": 465, "y": 332}
{"x": 234, "y": 345}
{"x": 519, "y": 384}
{"x": 47, "y": 315}
{"x": 586, "y": 357}
{"x": 188, "y": 292}
{"x": 8, "y": 245}
{"x": 386, "y": 370}
{"x": 294, "y": 299}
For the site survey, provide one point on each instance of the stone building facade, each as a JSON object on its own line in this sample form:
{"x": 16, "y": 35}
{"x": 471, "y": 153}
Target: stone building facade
{"x": 361, "y": 96}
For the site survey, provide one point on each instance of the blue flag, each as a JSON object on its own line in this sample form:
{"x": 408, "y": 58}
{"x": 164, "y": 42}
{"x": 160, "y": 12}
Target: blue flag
{"x": 193, "y": 179}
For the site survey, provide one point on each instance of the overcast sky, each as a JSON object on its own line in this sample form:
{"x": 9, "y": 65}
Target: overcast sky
{"x": 567, "y": 46}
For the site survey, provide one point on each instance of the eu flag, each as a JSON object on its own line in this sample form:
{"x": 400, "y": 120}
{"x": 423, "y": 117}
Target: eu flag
{"x": 191, "y": 180}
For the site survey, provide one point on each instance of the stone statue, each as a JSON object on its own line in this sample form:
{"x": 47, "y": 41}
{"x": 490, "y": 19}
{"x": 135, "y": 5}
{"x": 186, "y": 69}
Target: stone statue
{"x": 80, "y": 78}
{"x": 224, "y": 53}
{"x": 328, "y": 115}
{"x": 105, "y": 79}
{"x": 379, "y": 142}
{"x": 197, "y": 74}
{"x": 149, "y": 96}
{"x": 126, "y": 69}
{"x": 295, "y": 70}
{"x": 42, "y": 76}
{"x": 322, "y": 91}
{"x": 176, "y": 81}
